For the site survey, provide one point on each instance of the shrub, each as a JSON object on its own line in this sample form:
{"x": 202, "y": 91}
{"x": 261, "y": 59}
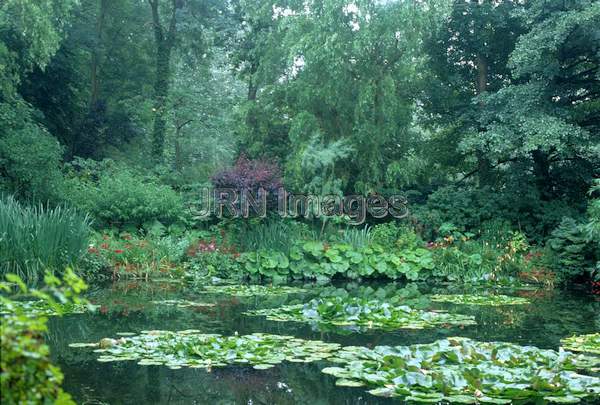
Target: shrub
{"x": 572, "y": 252}
{"x": 119, "y": 197}
{"x": 33, "y": 239}
{"x": 30, "y": 157}
{"x": 28, "y": 376}
{"x": 463, "y": 259}
{"x": 251, "y": 175}
{"x": 127, "y": 255}
{"x": 469, "y": 209}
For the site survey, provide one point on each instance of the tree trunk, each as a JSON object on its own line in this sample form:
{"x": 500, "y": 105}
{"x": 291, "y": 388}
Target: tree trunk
{"x": 161, "y": 93}
{"x": 164, "y": 42}
{"x": 96, "y": 54}
{"x": 541, "y": 170}
{"x": 486, "y": 176}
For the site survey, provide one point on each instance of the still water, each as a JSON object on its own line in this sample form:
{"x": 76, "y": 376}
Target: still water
{"x": 128, "y": 307}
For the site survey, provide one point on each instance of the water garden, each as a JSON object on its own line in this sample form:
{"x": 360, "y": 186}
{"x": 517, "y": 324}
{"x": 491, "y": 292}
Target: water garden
{"x": 299, "y": 202}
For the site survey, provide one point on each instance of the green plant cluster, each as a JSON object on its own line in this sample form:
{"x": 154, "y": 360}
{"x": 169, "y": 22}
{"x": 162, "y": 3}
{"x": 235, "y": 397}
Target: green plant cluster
{"x": 583, "y": 343}
{"x": 190, "y": 348}
{"x": 573, "y": 254}
{"x": 461, "y": 370}
{"x": 363, "y": 313}
{"x": 28, "y": 376}
{"x": 320, "y": 260}
{"x": 245, "y": 290}
{"x": 494, "y": 300}
{"x": 120, "y": 197}
{"x": 36, "y": 239}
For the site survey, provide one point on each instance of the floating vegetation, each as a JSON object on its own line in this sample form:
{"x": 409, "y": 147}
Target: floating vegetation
{"x": 243, "y": 290}
{"x": 354, "y": 311}
{"x": 43, "y": 308}
{"x": 493, "y": 300}
{"x": 461, "y": 370}
{"x": 183, "y": 303}
{"x": 583, "y": 343}
{"x": 190, "y": 348}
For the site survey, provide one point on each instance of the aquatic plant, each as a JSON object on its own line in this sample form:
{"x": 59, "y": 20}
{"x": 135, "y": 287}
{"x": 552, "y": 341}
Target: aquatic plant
{"x": 183, "y": 303}
{"x": 249, "y": 290}
{"x": 470, "y": 299}
{"x": 361, "y": 312}
{"x": 461, "y": 370}
{"x": 190, "y": 348}
{"x": 583, "y": 343}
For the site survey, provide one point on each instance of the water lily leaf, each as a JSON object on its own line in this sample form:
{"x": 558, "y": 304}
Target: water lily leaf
{"x": 349, "y": 383}
{"x": 263, "y": 366}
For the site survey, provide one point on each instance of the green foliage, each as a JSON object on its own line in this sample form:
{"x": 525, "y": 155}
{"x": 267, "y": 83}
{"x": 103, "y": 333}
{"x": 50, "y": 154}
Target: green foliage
{"x": 489, "y": 299}
{"x": 573, "y": 254}
{"x": 244, "y": 290}
{"x": 29, "y": 157}
{"x": 479, "y": 260}
{"x": 583, "y": 343}
{"x": 461, "y": 370}
{"x": 357, "y": 237}
{"x": 363, "y": 313}
{"x": 120, "y": 197}
{"x": 269, "y": 234}
{"x": 130, "y": 255}
{"x": 190, "y": 348}
{"x": 206, "y": 265}
{"x": 314, "y": 259}
{"x": 470, "y": 210}
{"x": 28, "y": 376}
{"x": 35, "y": 239}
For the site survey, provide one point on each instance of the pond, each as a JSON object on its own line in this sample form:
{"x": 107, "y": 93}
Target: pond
{"x": 134, "y": 306}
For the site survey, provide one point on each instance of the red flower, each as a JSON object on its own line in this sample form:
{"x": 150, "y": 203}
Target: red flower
{"x": 104, "y": 246}
{"x": 118, "y": 251}
{"x": 92, "y": 250}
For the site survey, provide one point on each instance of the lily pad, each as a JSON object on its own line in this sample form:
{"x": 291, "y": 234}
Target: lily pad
{"x": 183, "y": 303}
{"x": 583, "y": 343}
{"x": 494, "y": 300}
{"x": 462, "y": 370}
{"x": 244, "y": 290}
{"x": 362, "y": 313}
{"x": 189, "y": 349}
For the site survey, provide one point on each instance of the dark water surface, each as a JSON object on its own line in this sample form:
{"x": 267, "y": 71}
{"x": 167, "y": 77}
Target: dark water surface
{"x": 128, "y": 307}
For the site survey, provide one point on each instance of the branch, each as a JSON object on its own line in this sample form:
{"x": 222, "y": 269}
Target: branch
{"x": 471, "y": 173}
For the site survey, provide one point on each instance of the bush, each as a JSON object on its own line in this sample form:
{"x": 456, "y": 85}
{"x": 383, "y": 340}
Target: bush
{"x": 572, "y": 252}
{"x": 251, "y": 176}
{"x": 463, "y": 259}
{"x": 34, "y": 239}
{"x": 28, "y": 376}
{"x": 127, "y": 255}
{"x": 119, "y": 197}
{"x": 30, "y": 157}
{"x": 470, "y": 209}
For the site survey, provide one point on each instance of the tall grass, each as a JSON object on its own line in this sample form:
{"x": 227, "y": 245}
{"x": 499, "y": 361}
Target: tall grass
{"x": 35, "y": 239}
{"x": 275, "y": 234}
{"x": 357, "y": 237}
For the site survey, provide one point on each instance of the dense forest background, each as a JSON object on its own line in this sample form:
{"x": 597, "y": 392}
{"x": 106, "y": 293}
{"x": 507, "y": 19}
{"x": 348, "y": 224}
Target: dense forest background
{"x": 475, "y": 110}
